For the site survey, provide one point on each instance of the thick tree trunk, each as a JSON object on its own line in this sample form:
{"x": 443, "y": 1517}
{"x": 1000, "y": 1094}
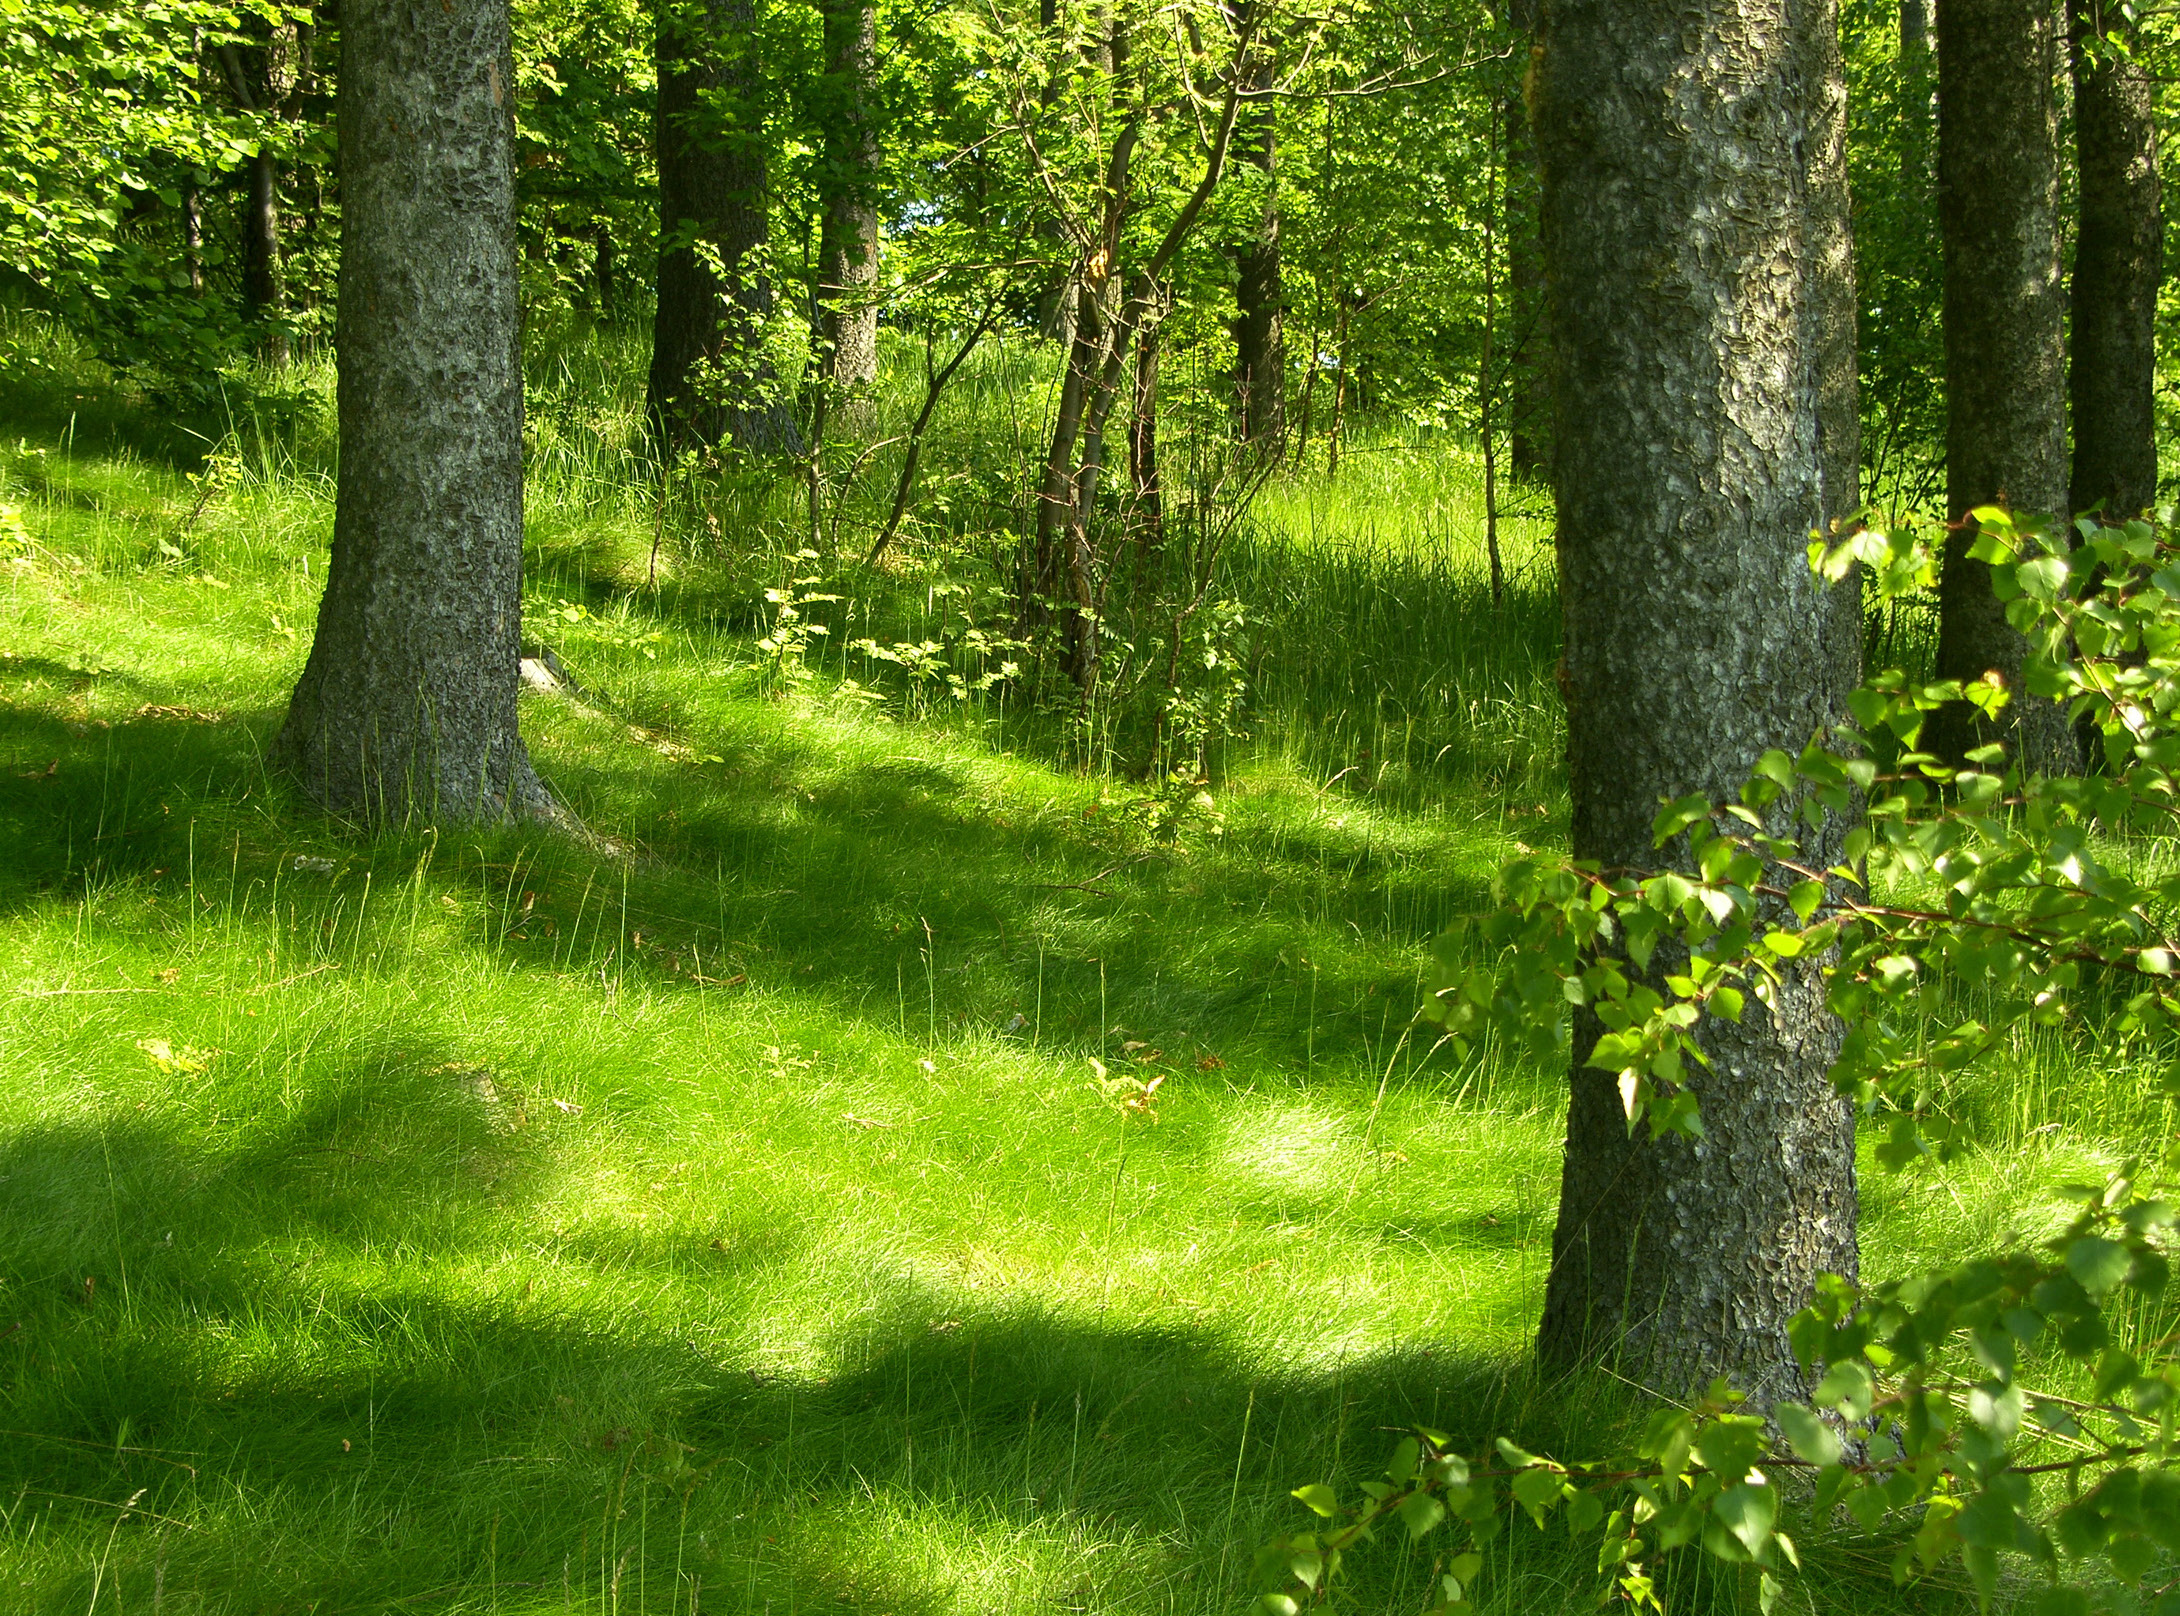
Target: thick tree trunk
{"x": 848, "y": 240}
{"x": 710, "y": 378}
{"x": 406, "y": 707}
{"x": 2005, "y": 353}
{"x": 1676, "y": 158}
{"x": 2118, "y": 261}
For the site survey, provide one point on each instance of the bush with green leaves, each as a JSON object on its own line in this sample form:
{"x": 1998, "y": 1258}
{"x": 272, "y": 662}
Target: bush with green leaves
{"x": 2020, "y": 1407}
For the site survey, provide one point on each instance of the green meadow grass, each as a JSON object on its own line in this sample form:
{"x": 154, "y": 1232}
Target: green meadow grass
{"x": 733, "y": 1218}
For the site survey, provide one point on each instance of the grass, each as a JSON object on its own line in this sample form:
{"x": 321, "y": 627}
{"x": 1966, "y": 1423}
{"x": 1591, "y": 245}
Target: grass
{"x": 477, "y": 1222}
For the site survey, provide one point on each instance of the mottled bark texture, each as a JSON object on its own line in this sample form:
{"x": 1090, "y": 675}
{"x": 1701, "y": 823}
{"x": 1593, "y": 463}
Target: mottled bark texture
{"x": 1685, "y": 266}
{"x": 710, "y": 378}
{"x": 1260, "y": 295}
{"x": 2118, "y": 261}
{"x": 406, "y": 707}
{"x": 848, "y": 235}
{"x": 2005, "y": 350}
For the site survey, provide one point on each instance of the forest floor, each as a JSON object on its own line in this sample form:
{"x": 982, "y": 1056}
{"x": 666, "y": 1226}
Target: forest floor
{"x": 757, "y": 1215}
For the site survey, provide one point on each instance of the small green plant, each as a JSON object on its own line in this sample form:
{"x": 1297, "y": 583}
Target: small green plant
{"x": 602, "y": 631}
{"x": 969, "y": 656}
{"x": 790, "y": 634}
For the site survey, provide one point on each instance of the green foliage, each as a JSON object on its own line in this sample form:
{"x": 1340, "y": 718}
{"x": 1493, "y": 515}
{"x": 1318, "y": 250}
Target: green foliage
{"x": 1969, "y": 907}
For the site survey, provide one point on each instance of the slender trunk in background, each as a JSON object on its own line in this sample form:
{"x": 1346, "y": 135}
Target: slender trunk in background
{"x": 710, "y": 377}
{"x": 2118, "y": 262}
{"x": 1832, "y": 350}
{"x": 261, "y": 248}
{"x": 1150, "y": 497}
{"x": 848, "y": 245}
{"x": 2005, "y": 353}
{"x": 1339, "y": 378}
{"x": 261, "y": 78}
{"x": 406, "y": 707}
{"x": 1487, "y": 377}
{"x": 1260, "y": 338}
{"x": 1524, "y": 341}
{"x": 1918, "y": 85}
{"x": 601, "y": 268}
{"x": 193, "y": 234}
{"x": 1676, "y": 149}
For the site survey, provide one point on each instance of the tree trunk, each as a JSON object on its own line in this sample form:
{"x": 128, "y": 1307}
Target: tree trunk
{"x": 1833, "y": 310}
{"x": 1260, "y": 338}
{"x": 1150, "y": 495}
{"x": 406, "y": 707}
{"x": 261, "y": 243}
{"x": 1916, "y": 85}
{"x": 193, "y": 234}
{"x": 2118, "y": 261}
{"x": 255, "y": 76}
{"x": 2005, "y": 365}
{"x": 710, "y": 378}
{"x": 601, "y": 269}
{"x": 1676, "y": 158}
{"x": 1526, "y": 342}
{"x": 848, "y": 243}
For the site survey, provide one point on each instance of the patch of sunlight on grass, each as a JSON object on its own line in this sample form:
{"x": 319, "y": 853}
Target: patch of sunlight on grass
{"x": 478, "y": 1222}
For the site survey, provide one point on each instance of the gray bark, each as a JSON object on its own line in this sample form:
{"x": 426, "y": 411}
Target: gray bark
{"x": 848, "y": 237}
{"x": 406, "y": 707}
{"x": 710, "y": 378}
{"x": 2118, "y": 262}
{"x": 1684, "y": 255}
{"x": 2005, "y": 351}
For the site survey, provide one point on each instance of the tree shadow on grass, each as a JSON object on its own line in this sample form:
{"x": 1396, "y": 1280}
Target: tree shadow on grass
{"x": 875, "y": 885}
{"x": 289, "y": 1389}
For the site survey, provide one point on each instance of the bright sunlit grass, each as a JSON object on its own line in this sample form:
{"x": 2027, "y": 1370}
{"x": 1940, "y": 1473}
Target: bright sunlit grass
{"x": 737, "y": 1222}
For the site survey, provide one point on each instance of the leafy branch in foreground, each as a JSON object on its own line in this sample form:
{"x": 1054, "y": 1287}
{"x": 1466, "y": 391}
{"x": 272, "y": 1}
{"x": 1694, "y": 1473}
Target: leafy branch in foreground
{"x": 2017, "y": 1405}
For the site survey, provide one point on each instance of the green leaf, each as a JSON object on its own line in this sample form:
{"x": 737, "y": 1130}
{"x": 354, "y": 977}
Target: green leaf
{"x": 1676, "y": 817}
{"x": 1320, "y": 1498}
{"x": 1421, "y": 1511}
{"x": 1404, "y": 1460}
{"x": 1847, "y": 1387}
{"x": 1811, "y": 1437}
{"x": 1308, "y": 1565}
{"x": 1538, "y": 1491}
{"x": 1748, "y": 1511}
{"x": 2097, "y": 1264}
{"x": 2062, "y": 1602}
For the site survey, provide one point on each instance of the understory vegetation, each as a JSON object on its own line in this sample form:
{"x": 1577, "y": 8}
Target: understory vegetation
{"x": 935, "y": 1149}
